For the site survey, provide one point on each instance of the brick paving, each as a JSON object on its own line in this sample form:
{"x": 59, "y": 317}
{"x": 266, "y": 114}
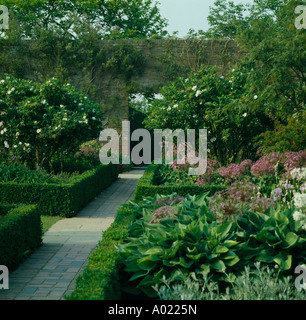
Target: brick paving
{"x": 51, "y": 271}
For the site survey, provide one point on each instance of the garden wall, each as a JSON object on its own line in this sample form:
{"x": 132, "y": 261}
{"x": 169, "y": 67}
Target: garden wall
{"x": 157, "y": 63}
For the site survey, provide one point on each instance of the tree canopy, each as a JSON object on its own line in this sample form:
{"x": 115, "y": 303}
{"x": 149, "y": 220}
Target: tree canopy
{"x": 111, "y": 19}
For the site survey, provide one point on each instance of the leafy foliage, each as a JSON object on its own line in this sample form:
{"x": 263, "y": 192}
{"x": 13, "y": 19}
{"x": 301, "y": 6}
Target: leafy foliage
{"x": 207, "y": 100}
{"x": 194, "y": 242}
{"x": 259, "y": 283}
{"x": 39, "y": 120}
{"x": 112, "y": 19}
{"x": 274, "y": 52}
{"x": 290, "y": 137}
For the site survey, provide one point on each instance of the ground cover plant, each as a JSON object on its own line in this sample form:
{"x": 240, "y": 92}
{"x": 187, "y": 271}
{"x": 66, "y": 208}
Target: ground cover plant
{"x": 260, "y": 283}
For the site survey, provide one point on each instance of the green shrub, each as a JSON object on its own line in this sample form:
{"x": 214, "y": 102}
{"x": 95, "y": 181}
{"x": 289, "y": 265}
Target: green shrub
{"x": 20, "y": 234}
{"x": 206, "y": 100}
{"x": 41, "y": 119}
{"x": 146, "y": 186}
{"x": 194, "y": 241}
{"x": 289, "y": 137}
{"x": 22, "y": 174}
{"x": 64, "y": 200}
{"x": 100, "y": 280}
{"x": 260, "y": 283}
{"x": 72, "y": 164}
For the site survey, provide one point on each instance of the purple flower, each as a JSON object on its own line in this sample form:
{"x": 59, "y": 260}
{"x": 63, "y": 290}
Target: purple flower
{"x": 278, "y": 191}
{"x": 246, "y": 164}
{"x": 288, "y": 186}
{"x": 233, "y": 171}
{"x": 163, "y": 212}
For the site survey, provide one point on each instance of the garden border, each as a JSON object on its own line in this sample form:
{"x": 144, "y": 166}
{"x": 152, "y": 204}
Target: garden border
{"x": 100, "y": 279}
{"x": 64, "y": 200}
{"x": 146, "y": 187}
{"x": 20, "y": 234}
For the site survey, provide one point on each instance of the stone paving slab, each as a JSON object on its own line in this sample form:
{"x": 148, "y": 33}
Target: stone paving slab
{"x": 51, "y": 271}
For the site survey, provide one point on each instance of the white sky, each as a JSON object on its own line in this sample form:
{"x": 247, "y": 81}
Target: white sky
{"x": 183, "y": 15}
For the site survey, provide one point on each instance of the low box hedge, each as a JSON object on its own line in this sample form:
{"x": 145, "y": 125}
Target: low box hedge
{"x": 100, "y": 279}
{"x": 146, "y": 186}
{"x": 64, "y": 200}
{"x": 20, "y": 233}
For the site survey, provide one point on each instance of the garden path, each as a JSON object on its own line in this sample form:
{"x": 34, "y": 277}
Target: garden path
{"x": 51, "y": 271}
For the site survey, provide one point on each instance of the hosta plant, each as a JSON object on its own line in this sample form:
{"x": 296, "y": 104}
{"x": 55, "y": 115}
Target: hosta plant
{"x": 193, "y": 242}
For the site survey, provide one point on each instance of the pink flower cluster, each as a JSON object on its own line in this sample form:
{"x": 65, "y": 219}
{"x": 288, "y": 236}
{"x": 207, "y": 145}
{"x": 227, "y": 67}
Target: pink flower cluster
{"x": 212, "y": 166}
{"x": 261, "y": 204}
{"x": 175, "y": 166}
{"x": 246, "y": 164}
{"x": 270, "y": 163}
{"x": 262, "y": 167}
{"x": 294, "y": 160}
{"x": 169, "y": 201}
{"x": 163, "y": 212}
{"x": 233, "y": 171}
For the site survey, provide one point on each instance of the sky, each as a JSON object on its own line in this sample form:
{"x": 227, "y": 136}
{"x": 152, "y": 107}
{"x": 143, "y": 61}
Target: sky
{"x": 183, "y": 15}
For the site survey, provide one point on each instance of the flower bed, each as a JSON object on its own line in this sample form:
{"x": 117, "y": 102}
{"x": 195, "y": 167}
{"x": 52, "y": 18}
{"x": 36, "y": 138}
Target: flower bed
{"x": 147, "y": 186}
{"x": 65, "y": 199}
{"x": 169, "y": 239}
{"x": 20, "y": 233}
{"x": 190, "y": 241}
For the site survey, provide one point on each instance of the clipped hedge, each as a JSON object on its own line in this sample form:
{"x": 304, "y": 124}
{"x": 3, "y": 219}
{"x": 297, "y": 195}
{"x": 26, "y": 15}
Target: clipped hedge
{"x": 100, "y": 279}
{"x": 146, "y": 186}
{"x": 20, "y": 233}
{"x": 65, "y": 200}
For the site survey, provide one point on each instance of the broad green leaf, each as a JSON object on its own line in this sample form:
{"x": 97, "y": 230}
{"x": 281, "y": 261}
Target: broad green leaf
{"x": 218, "y": 265}
{"x": 193, "y": 250}
{"x": 230, "y": 243}
{"x": 220, "y": 249}
{"x": 177, "y": 275}
{"x": 266, "y": 255}
{"x": 174, "y": 249}
{"x": 284, "y": 260}
{"x": 223, "y": 229}
{"x": 155, "y": 250}
{"x": 291, "y": 239}
{"x": 232, "y": 261}
{"x": 147, "y": 263}
{"x": 281, "y": 217}
{"x": 132, "y": 266}
{"x": 195, "y": 257}
{"x": 205, "y": 267}
{"x": 139, "y": 274}
{"x": 182, "y": 262}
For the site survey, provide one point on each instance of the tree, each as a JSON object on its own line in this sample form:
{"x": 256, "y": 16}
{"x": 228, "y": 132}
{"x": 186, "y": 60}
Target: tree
{"x": 274, "y": 48}
{"x": 206, "y": 100}
{"x": 70, "y": 18}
